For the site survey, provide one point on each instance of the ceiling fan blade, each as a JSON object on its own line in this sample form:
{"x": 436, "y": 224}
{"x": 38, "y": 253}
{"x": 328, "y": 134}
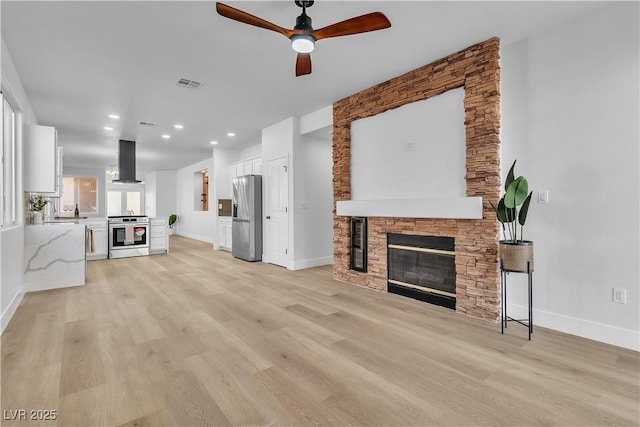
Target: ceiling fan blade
{"x": 247, "y": 18}
{"x": 360, "y": 24}
{"x": 303, "y": 64}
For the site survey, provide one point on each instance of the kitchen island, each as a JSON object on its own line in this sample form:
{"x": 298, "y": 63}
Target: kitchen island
{"x": 54, "y": 256}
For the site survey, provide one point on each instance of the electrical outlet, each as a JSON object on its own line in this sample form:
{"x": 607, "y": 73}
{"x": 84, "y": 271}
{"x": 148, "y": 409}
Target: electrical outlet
{"x": 620, "y": 295}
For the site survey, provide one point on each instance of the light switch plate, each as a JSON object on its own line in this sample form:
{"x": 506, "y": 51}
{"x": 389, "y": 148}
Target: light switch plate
{"x": 543, "y": 197}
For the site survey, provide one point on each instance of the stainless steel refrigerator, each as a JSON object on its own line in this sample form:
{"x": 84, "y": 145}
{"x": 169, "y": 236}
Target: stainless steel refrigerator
{"x": 247, "y": 218}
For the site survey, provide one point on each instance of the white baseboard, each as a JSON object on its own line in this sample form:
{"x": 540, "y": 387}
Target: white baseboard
{"x": 621, "y": 337}
{"x": 313, "y": 262}
{"x": 11, "y": 309}
{"x": 207, "y": 239}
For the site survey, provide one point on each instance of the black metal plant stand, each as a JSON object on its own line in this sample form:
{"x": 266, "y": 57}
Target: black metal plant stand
{"x": 503, "y": 283}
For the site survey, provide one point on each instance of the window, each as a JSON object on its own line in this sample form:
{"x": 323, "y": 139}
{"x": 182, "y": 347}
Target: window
{"x": 79, "y": 191}
{"x": 124, "y": 202}
{"x": 7, "y": 177}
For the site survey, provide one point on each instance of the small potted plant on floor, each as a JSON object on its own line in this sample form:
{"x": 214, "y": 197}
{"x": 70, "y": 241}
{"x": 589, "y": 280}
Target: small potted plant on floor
{"x": 37, "y": 202}
{"x": 172, "y": 220}
{"x": 516, "y": 254}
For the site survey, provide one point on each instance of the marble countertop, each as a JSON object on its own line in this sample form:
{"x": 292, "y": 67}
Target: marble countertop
{"x": 54, "y": 256}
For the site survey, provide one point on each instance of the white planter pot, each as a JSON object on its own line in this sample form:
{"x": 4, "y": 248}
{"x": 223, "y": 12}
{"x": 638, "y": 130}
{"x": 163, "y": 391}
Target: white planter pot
{"x": 37, "y": 217}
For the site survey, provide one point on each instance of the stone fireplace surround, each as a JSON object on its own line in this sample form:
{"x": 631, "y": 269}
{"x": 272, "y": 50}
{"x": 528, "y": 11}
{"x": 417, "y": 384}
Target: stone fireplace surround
{"x": 477, "y": 70}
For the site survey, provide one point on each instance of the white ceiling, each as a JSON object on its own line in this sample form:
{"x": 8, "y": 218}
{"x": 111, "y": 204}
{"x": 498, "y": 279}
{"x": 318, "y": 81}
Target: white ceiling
{"x": 82, "y": 60}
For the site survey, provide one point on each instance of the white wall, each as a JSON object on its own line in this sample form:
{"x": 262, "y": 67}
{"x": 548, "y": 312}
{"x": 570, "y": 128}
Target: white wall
{"x": 310, "y": 187}
{"x": 160, "y": 194}
{"x": 12, "y": 238}
{"x": 316, "y": 120}
{"x": 570, "y": 115}
{"x": 150, "y": 184}
{"x": 313, "y": 203}
{"x": 251, "y": 152}
{"x": 411, "y": 152}
{"x": 194, "y": 224}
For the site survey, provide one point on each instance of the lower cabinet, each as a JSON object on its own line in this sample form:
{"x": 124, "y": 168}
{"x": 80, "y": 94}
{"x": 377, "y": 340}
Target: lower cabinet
{"x": 224, "y": 233}
{"x": 159, "y": 236}
{"x": 97, "y": 239}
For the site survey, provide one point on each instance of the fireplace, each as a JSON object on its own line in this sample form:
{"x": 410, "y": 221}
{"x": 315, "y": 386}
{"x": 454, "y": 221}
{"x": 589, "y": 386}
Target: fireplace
{"x": 477, "y": 278}
{"x": 422, "y": 267}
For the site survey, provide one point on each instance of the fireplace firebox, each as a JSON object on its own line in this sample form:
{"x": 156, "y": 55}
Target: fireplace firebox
{"x": 422, "y": 267}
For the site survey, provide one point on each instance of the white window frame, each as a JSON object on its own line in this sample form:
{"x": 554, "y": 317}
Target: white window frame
{"x": 8, "y": 205}
{"x": 123, "y": 190}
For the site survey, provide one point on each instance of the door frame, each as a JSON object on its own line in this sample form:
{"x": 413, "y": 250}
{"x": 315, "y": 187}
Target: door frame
{"x": 265, "y": 183}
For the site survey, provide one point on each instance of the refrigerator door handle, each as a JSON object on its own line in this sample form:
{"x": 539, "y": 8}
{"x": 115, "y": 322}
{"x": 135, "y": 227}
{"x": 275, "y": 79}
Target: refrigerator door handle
{"x": 235, "y": 210}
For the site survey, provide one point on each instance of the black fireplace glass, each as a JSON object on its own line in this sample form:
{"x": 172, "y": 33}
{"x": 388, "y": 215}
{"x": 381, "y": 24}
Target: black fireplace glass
{"x": 359, "y": 244}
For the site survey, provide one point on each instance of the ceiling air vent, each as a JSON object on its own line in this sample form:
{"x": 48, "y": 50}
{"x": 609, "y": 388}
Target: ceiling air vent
{"x": 191, "y": 84}
{"x": 147, "y": 124}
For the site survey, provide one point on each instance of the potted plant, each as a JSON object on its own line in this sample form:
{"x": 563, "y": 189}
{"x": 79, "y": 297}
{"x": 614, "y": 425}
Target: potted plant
{"x": 516, "y": 254}
{"x": 37, "y": 202}
{"x": 172, "y": 220}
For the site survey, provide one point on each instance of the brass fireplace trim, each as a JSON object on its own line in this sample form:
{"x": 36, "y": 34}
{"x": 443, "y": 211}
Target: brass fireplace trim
{"x": 427, "y": 250}
{"x": 422, "y": 288}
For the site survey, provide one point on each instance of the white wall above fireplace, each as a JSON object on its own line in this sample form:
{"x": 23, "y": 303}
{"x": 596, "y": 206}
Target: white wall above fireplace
{"x": 437, "y": 207}
{"x": 415, "y": 151}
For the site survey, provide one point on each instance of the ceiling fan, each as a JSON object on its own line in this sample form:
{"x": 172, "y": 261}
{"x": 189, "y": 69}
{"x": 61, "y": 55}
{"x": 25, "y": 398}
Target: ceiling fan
{"x": 303, "y": 36}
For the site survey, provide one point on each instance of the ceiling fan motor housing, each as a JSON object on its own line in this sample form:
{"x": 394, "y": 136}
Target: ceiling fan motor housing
{"x": 304, "y": 3}
{"x": 303, "y": 22}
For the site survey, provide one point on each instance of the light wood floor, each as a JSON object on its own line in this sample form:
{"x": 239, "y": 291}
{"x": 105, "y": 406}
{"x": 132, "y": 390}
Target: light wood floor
{"x": 199, "y": 338}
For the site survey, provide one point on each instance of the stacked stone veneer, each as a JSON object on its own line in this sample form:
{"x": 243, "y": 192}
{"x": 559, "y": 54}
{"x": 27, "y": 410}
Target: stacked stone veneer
{"x": 477, "y": 270}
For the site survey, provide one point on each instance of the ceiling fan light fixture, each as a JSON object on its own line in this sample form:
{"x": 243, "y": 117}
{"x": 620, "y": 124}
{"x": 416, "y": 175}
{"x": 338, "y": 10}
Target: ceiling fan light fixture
{"x": 303, "y": 43}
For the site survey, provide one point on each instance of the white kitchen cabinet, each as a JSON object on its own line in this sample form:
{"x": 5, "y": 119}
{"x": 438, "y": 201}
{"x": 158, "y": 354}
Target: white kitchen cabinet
{"x": 98, "y": 241}
{"x": 227, "y": 237}
{"x": 247, "y": 168}
{"x": 159, "y": 236}
{"x": 232, "y": 174}
{"x": 224, "y": 233}
{"x": 256, "y": 165}
{"x": 42, "y": 160}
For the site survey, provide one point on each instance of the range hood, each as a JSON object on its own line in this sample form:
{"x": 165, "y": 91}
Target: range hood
{"x": 127, "y": 163}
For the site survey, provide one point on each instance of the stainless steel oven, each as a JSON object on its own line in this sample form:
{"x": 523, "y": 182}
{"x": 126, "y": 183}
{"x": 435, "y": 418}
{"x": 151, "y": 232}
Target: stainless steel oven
{"x": 128, "y": 236}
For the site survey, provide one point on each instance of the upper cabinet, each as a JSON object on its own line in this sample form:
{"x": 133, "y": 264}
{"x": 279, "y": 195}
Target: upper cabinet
{"x": 256, "y": 165}
{"x": 42, "y": 160}
{"x": 245, "y": 167}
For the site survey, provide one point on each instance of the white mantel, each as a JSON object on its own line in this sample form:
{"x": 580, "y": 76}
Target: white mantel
{"x": 439, "y": 207}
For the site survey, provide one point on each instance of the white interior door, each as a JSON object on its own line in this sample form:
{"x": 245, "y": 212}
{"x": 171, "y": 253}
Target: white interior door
{"x": 277, "y": 211}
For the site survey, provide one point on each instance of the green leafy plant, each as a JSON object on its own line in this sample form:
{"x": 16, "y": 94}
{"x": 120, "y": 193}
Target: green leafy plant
{"x": 172, "y": 220}
{"x": 37, "y": 202}
{"x": 513, "y": 207}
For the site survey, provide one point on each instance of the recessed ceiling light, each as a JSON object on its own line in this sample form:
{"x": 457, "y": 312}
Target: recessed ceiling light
{"x": 178, "y": 126}
{"x": 108, "y": 128}
{"x": 231, "y": 134}
{"x": 165, "y": 136}
{"x": 114, "y": 116}
{"x": 214, "y": 143}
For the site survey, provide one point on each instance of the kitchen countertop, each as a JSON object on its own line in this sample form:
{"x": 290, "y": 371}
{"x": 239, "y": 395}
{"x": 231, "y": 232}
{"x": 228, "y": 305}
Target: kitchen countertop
{"x": 54, "y": 257}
